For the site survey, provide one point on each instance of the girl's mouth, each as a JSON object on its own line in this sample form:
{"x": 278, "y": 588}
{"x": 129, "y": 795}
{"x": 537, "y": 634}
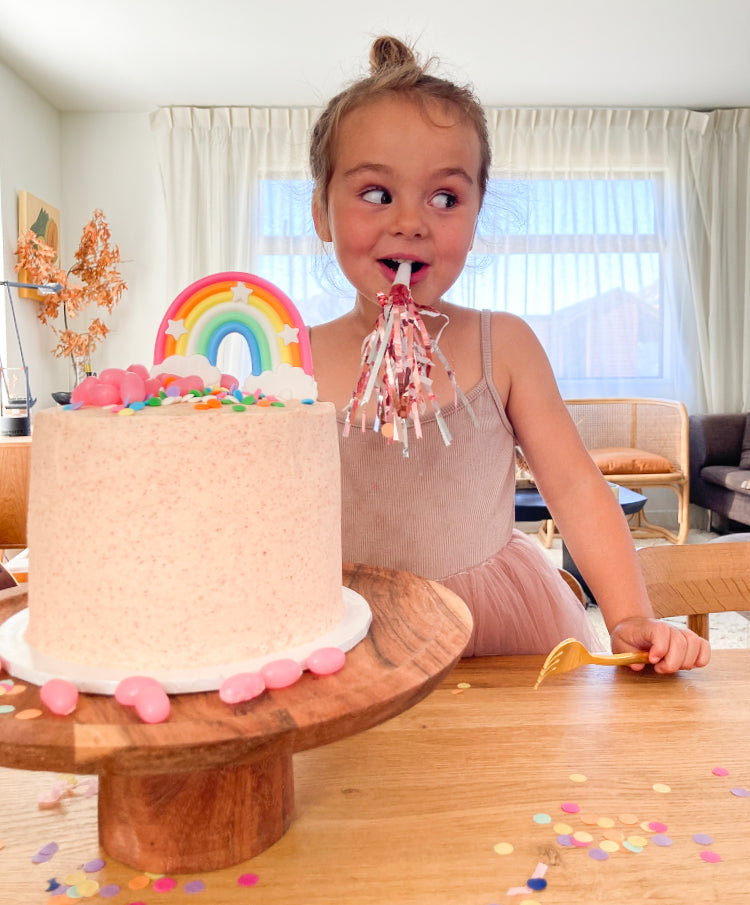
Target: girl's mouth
{"x": 392, "y": 264}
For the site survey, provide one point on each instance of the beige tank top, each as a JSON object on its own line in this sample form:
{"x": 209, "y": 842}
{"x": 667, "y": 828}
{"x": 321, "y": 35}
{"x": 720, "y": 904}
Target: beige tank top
{"x": 443, "y": 509}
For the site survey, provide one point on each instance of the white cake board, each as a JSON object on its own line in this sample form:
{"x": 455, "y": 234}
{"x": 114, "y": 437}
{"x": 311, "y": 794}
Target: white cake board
{"x": 23, "y": 662}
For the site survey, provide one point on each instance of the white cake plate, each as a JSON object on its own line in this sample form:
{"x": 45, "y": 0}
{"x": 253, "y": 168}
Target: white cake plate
{"x": 23, "y": 662}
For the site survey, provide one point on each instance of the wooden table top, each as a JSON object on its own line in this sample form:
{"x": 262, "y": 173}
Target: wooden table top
{"x": 411, "y": 811}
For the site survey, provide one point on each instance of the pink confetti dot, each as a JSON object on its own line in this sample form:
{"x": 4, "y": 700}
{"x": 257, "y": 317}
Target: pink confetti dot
{"x": 570, "y": 807}
{"x": 711, "y": 857}
{"x": 658, "y": 827}
{"x": 720, "y": 771}
{"x": 164, "y": 884}
{"x": 247, "y": 880}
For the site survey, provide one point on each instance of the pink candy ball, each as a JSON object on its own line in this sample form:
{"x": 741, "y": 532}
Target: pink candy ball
{"x": 243, "y": 686}
{"x": 325, "y": 661}
{"x": 152, "y": 705}
{"x": 281, "y": 673}
{"x": 59, "y": 696}
{"x": 128, "y": 690}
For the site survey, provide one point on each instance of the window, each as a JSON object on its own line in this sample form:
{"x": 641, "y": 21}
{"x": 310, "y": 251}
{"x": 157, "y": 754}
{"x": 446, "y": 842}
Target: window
{"x": 581, "y": 259}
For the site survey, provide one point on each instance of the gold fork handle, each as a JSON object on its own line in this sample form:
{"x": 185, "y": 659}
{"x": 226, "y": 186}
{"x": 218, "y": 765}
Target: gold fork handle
{"x": 640, "y": 656}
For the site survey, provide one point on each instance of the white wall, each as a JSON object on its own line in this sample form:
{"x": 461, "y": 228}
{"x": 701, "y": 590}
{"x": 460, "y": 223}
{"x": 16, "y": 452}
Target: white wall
{"x": 29, "y": 160}
{"x": 78, "y": 162}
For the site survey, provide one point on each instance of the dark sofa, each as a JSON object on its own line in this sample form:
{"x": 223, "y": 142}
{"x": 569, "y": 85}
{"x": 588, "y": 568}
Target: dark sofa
{"x": 720, "y": 467}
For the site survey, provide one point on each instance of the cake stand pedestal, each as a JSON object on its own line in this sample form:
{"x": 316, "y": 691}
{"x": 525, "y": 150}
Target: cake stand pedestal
{"x": 214, "y": 784}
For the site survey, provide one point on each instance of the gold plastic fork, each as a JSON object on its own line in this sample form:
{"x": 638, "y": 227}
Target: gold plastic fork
{"x": 570, "y": 654}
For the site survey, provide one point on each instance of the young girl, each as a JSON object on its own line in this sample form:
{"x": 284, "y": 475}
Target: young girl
{"x": 400, "y": 162}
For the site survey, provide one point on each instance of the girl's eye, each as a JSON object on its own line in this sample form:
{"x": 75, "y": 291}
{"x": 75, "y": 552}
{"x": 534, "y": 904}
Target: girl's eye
{"x": 376, "y": 196}
{"x": 444, "y": 200}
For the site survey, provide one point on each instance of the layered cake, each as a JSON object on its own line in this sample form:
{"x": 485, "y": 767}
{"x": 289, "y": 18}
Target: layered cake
{"x": 183, "y": 537}
{"x": 203, "y": 528}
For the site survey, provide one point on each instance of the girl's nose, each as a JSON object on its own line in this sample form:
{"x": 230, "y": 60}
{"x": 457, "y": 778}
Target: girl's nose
{"x": 408, "y": 220}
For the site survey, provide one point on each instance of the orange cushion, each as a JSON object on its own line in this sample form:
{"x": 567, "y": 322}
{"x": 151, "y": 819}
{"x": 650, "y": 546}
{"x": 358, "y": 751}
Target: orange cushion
{"x": 621, "y": 460}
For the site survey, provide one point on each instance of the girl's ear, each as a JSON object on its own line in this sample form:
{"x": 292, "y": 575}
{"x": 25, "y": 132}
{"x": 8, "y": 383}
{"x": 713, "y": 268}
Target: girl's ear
{"x": 320, "y": 219}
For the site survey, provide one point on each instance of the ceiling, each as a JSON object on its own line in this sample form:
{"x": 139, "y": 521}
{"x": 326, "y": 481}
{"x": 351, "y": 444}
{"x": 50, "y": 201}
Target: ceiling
{"x": 136, "y": 55}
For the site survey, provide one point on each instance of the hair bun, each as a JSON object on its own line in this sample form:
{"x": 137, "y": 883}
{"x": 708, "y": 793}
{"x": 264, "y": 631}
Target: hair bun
{"x": 387, "y": 52}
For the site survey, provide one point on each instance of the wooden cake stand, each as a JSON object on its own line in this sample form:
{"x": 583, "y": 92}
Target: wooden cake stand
{"x": 213, "y": 785}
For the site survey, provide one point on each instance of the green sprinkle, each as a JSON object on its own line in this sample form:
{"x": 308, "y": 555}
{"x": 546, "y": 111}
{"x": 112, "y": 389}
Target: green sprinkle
{"x": 162, "y": 394}
{"x": 153, "y": 400}
{"x": 278, "y": 404}
{"x": 227, "y": 400}
{"x": 195, "y": 392}
{"x": 239, "y": 408}
{"x": 248, "y": 400}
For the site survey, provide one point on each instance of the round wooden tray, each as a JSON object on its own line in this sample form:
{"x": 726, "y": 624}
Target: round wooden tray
{"x": 213, "y": 785}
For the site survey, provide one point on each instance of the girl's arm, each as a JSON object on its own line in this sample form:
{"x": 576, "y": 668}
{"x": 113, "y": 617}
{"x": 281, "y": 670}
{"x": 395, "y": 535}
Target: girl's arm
{"x": 581, "y": 503}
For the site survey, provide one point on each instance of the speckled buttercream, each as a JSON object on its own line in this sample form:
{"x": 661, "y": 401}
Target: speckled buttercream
{"x": 178, "y": 538}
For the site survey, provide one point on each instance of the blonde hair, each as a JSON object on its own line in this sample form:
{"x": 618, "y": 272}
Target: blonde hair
{"x": 394, "y": 68}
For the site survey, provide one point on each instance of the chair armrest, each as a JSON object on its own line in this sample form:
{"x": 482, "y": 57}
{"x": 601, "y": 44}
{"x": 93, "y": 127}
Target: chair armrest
{"x": 715, "y": 439}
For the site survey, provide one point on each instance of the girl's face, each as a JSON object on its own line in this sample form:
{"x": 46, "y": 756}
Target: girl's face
{"x": 404, "y": 187}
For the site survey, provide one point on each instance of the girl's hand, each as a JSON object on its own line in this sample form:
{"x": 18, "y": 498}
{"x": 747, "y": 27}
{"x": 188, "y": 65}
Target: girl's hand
{"x": 669, "y": 647}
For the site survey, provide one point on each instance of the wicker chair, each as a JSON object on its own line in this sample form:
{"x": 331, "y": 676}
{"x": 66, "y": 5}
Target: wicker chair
{"x": 627, "y": 433}
{"x": 15, "y": 456}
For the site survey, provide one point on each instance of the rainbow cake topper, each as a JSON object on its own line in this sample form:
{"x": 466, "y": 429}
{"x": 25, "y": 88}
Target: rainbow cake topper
{"x": 216, "y": 306}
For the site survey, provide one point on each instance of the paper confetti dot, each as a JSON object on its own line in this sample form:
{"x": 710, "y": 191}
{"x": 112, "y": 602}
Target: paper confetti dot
{"x": 31, "y": 714}
{"x": 661, "y": 839}
{"x": 564, "y": 828}
{"x": 613, "y": 835}
{"x": 74, "y": 878}
{"x": 139, "y": 882}
{"x": 598, "y": 854}
{"x": 88, "y": 888}
{"x": 570, "y": 807}
{"x": 565, "y": 839}
{"x": 91, "y": 867}
{"x": 631, "y": 847}
{"x": 657, "y": 827}
{"x": 463, "y": 685}
{"x": 542, "y": 818}
{"x": 702, "y": 838}
{"x": 609, "y": 845}
{"x": 577, "y": 777}
{"x": 640, "y": 841}
{"x": 247, "y": 880}
{"x": 582, "y": 838}
{"x": 6, "y": 708}
{"x": 589, "y": 819}
{"x": 720, "y": 771}
{"x": 628, "y": 819}
{"x": 740, "y": 792}
{"x": 711, "y": 857}
{"x": 164, "y": 884}
{"x": 661, "y": 787}
{"x": 194, "y": 886}
{"x": 605, "y": 823}
{"x": 109, "y": 891}
{"x": 503, "y": 848}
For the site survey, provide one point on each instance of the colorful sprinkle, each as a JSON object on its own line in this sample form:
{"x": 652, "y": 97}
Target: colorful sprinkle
{"x": 570, "y": 807}
{"x": 711, "y": 857}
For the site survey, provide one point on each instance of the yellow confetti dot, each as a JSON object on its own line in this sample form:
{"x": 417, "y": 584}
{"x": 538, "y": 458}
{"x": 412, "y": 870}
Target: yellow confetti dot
{"x": 583, "y": 836}
{"x": 88, "y": 887}
{"x": 30, "y": 714}
{"x": 609, "y": 845}
{"x": 463, "y": 685}
{"x": 139, "y": 882}
{"x": 126, "y": 411}
{"x": 577, "y": 777}
{"x": 153, "y": 876}
{"x": 628, "y": 819}
{"x": 605, "y": 822}
{"x": 661, "y": 787}
{"x": 503, "y": 848}
{"x": 74, "y": 878}
{"x": 645, "y": 827}
{"x": 562, "y": 829}
{"x": 640, "y": 841}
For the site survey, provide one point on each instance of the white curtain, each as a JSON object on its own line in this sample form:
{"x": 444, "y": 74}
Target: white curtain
{"x": 621, "y": 235}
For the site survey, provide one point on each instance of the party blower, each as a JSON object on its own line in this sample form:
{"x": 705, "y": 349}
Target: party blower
{"x": 397, "y": 361}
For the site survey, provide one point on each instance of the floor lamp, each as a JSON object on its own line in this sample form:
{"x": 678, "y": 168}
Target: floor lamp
{"x": 15, "y": 405}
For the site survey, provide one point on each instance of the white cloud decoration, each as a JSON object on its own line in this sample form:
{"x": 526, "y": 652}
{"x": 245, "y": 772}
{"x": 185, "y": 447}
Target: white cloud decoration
{"x": 286, "y": 382}
{"x": 189, "y": 366}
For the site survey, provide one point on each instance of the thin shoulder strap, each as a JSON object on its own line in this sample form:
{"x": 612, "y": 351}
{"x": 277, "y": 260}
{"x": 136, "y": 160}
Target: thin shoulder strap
{"x": 486, "y": 344}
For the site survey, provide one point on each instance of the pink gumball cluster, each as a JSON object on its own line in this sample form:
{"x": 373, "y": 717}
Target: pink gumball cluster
{"x": 146, "y": 695}
{"x": 115, "y": 386}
